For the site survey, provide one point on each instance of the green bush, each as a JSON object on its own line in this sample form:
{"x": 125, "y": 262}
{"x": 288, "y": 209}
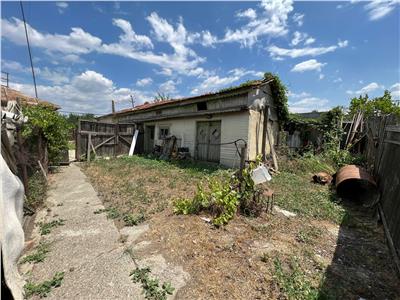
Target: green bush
{"x": 53, "y": 126}
{"x": 222, "y": 197}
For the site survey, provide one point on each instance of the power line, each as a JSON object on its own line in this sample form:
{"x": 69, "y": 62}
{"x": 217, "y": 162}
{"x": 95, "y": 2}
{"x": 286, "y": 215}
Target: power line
{"x": 29, "y": 48}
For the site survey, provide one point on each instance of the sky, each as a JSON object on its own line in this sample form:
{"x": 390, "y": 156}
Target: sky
{"x": 86, "y": 54}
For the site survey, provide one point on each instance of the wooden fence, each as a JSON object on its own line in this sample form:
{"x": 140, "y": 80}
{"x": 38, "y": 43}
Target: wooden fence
{"x": 103, "y": 139}
{"x": 383, "y": 157}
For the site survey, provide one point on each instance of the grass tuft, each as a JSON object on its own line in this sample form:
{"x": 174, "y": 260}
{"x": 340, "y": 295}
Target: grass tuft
{"x": 39, "y": 255}
{"x": 45, "y": 228}
{"x": 44, "y": 288}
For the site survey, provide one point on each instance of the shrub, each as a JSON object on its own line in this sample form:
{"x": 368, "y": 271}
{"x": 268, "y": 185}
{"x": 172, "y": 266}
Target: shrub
{"x": 53, "y": 126}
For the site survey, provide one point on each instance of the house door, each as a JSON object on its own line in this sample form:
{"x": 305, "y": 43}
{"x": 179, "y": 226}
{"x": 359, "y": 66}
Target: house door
{"x": 208, "y": 141}
{"x": 149, "y": 139}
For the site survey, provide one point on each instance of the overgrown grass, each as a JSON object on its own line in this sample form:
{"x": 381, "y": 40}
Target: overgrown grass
{"x": 293, "y": 281}
{"x": 44, "y": 288}
{"x": 45, "y": 228}
{"x": 39, "y": 255}
{"x": 296, "y": 192}
{"x": 37, "y": 186}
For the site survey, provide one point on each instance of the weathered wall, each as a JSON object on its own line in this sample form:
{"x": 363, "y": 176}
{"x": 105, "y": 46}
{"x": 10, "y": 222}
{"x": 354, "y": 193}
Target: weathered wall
{"x": 233, "y": 127}
{"x": 258, "y": 99}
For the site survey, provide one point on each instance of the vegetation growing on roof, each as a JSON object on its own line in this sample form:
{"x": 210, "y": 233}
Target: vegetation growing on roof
{"x": 279, "y": 94}
{"x": 244, "y": 84}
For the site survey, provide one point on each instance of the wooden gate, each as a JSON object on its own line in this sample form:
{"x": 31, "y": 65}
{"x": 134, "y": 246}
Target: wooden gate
{"x": 103, "y": 139}
{"x": 208, "y": 141}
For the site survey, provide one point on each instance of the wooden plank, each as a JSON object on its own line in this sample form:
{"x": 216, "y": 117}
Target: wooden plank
{"x": 392, "y": 142}
{"x": 88, "y": 147}
{"x": 393, "y": 128}
{"x": 93, "y": 133}
{"x": 42, "y": 169}
{"x": 133, "y": 144}
{"x": 103, "y": 142}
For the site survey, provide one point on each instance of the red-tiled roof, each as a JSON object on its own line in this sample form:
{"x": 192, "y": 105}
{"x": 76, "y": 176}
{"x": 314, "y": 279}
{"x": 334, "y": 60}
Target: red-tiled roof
{"x": 8, "y": 94}
{"x": 148, "y": 105}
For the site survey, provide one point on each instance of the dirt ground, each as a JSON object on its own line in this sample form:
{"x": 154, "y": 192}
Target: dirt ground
{"x": 335, "y": 251}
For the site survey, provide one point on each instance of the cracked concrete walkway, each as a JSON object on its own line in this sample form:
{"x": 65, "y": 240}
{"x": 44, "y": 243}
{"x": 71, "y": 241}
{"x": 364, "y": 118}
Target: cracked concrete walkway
{"x": 87, "y": 249}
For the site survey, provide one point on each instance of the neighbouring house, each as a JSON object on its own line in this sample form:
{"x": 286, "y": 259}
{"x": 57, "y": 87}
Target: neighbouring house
{"x": 19, "y": 155}
{"x": 207, "y": 125}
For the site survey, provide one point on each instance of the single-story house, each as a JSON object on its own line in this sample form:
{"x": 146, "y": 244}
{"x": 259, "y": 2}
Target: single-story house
{"x": 207, "y": 125}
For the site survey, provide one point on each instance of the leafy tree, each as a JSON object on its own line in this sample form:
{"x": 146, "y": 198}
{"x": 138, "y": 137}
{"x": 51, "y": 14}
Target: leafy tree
{"x": 383, "y": 105}
{"x": 54, "y": 127}
{"x": 73, "y": 119}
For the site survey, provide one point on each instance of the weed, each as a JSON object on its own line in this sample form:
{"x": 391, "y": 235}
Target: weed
{"x": 39, "y": 255}
{"x": 294, "y": 283}
{"x": 133, "y": 219}
{"x": 112, "y": 212}
{"x": 37, "y": 187}
{"x": 265, "y": 257}
{"x": 44, "y": 288}
{"x": 308, "y": 234}
{"x": 151, "y": 286}
{"x": 45, "y": 228}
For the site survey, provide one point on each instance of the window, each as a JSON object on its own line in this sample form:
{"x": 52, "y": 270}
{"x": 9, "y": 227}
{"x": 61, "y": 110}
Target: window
{"x": 202, "y": 106}
{"x": 163, "y": 132}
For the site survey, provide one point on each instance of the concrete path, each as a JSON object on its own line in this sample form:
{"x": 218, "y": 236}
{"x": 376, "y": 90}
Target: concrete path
{"x": 87, "y": 248}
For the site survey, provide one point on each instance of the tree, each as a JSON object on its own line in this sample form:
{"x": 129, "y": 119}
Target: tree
{"x": 383, "y": 105}
{"x": 161, "y": 97}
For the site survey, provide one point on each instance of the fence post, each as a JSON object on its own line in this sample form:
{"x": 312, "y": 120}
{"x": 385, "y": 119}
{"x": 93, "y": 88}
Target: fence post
{"x": 243, "y": 153}
{"x": 78, "y": 142}
{"x": 88, "y": 146}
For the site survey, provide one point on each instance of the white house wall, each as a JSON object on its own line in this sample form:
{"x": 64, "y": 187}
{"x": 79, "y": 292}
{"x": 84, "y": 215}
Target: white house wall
{"x": 233, "y": 126}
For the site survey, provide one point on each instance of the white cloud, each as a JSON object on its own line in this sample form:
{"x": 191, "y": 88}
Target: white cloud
{"x": 183, "y": 60}
{"x": 169, "y": 87}
{"x": 89, "y": 91}
{"x": 343, "y": 44}
{"x": 77, "y": 42}
{"x": 321, "y": 76}
{"x": 214, "y": 82}
{"x": 299, "y": 95}
{"x": 395, "y": 91}
{"x": 144, "y": 82}
{"x": 61, "y": 6}
{"x": 309, "y": 104}
{"x": 298, "y": 19}
{"x": 248, "y": 13}
{"x": 208, "y": 39}
{"x": 308, "y": 65}
{"x": 309, "y": 41}
{"x": 378, "y": 9}
{"x": 278, "y": 52}
{"x": 14, "y": 66}
{"x": 299, "y": 37}
{"x": 337, "y": 80}
{"x": 130, "y": 38}
{"x": 373, "y": 86}
{"x": 272, "y": 22}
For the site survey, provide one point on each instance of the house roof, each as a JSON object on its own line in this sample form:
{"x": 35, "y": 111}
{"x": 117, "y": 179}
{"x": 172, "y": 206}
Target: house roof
{"x": 8, "y": 94}
{"x": 204, "y": 97}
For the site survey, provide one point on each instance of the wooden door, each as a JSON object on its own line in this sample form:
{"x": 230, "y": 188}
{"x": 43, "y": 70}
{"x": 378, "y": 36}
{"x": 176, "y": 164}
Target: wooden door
{"x": 149, "y": 139}
{"x": 208, "y": 141}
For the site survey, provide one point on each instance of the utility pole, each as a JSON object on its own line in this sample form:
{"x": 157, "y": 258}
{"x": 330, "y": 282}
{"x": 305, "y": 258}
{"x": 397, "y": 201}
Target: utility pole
{"x": 133, "y": 102}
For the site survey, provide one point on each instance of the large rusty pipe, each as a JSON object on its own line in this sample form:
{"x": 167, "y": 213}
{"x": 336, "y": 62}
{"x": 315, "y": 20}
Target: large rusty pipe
{"x": 355, "y": 183}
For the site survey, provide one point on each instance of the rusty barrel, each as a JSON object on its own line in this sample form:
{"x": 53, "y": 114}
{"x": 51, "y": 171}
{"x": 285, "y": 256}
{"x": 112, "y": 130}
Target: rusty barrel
{"x": 355, "y": 183}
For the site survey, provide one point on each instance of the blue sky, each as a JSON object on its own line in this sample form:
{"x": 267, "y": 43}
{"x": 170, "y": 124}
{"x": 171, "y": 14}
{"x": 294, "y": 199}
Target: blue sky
{"x": 88, "y": 53}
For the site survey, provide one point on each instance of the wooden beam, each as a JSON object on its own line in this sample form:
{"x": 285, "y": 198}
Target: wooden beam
{"x": 88, "y": 148}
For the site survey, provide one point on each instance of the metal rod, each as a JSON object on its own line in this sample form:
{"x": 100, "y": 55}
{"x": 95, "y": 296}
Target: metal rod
{"x": 29, "y": 48}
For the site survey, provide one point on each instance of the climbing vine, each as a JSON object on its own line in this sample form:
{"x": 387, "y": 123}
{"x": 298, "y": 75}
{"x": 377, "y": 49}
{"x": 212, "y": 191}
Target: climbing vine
{"x": 279, "y": 94}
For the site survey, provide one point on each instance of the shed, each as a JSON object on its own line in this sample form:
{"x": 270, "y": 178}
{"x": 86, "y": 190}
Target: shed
{"x": 209, "y": 124}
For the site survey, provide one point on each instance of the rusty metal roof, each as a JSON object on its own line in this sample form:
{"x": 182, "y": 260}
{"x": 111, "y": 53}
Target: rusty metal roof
{"x": 8, "y": 94}
{"x": 206, "y": 97}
